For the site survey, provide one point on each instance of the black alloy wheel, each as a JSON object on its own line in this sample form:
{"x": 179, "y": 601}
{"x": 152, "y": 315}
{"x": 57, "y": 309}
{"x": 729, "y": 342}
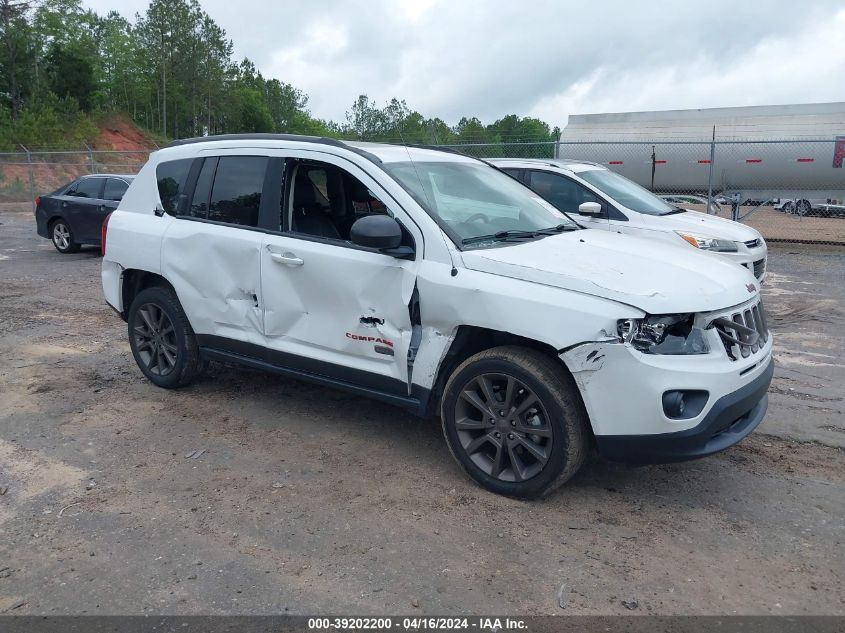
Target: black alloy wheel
{"x": 514, "y": 420}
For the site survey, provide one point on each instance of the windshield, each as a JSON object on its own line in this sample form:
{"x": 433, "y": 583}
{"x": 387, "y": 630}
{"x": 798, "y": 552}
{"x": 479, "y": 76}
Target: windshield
{"x": 626, "y": 192}
{"x": 474, "y": 201}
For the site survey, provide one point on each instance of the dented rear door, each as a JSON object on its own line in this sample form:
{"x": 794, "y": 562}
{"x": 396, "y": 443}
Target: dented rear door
{"x": 215, "y": 270}
{"x": 211, "y": 251}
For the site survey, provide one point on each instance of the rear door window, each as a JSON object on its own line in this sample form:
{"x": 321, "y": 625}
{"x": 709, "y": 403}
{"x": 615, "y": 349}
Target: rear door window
{"x": 236, "y": 193}
{"x": 172, "y": 177}
{"x": 202, "y": 192}
{"x": 115, "y": 188}
{"x": 87, "y": 188}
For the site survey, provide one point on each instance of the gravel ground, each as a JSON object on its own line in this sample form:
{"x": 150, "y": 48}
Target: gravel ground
{"x": 307, "y": 500}
{"x": 779, "y": 225}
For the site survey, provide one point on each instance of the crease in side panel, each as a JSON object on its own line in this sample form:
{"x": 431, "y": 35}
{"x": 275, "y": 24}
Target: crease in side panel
{"x": 416, "y": 334}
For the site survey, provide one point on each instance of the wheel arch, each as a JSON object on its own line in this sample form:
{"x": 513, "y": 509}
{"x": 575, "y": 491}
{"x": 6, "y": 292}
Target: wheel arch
{"x": 471, "y": 339}
{"x": 55, "y": 217}
{"x": 133, "y": 281}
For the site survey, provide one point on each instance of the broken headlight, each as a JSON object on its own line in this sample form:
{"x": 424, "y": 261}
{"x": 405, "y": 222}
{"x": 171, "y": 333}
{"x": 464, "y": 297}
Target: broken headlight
{"x": 664, "y": 334}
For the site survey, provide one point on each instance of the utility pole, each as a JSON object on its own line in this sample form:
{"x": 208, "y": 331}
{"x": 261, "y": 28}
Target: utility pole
{"x": 710, "y": 175}
{"x": 31, "y": 169}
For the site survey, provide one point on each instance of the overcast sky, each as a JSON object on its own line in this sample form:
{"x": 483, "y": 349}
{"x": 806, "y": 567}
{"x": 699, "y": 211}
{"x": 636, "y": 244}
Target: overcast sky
{"x": 544, "y": 58}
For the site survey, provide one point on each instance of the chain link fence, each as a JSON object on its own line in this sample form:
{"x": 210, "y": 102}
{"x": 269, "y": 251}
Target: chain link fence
{"x": 790, "y": 190}
{"x": 28, "y": 173}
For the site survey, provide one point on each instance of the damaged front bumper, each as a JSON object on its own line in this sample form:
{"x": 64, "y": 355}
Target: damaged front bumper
{"x": 731, "y": 418}
{"x": 623, "y": 392}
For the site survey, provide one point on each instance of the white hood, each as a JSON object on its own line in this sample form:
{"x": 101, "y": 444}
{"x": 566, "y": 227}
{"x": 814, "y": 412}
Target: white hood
{"x": 654, "y": 277}
{"x": 709, "y": 226}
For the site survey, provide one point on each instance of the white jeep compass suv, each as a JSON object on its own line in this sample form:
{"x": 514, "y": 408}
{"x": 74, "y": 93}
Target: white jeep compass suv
{"x": 606, "y": 200}
{"x": 435, "y": 282}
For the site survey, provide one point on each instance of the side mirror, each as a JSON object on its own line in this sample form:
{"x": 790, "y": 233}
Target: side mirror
{"x": 589, "y": 208}
{"x": 382, "y": 233}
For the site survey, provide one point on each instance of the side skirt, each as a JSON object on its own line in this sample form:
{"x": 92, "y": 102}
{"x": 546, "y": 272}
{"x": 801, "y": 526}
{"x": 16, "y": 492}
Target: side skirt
{"x": 415, "y": 405}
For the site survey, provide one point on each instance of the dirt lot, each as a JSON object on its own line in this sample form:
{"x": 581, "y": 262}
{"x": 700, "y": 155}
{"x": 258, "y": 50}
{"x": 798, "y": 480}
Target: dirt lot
{"x": 307, "y": 500}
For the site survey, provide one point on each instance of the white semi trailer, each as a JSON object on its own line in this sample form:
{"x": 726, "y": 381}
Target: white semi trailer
{"x": 794, "y": 154}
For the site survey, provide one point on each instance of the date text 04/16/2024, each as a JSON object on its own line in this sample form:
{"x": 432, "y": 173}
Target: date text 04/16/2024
{"x": 417, "y": 623}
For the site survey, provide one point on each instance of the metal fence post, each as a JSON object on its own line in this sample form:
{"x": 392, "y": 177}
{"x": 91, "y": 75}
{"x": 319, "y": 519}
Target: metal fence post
{"x": 710, "y": 174}
{"x": 91, "y": 164}
{"x": 31, "y": 169}
{"x": 557, "y": 149}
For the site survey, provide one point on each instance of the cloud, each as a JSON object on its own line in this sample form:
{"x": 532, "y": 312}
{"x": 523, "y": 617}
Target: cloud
{"x": 546, "y": 58}
{"x": 800, "y": 66}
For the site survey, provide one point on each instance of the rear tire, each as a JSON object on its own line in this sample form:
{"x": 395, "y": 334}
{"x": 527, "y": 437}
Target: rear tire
{"x": 162, "y": 339}
{"x": 62, "y": 237}
{"x": 513, "y": 419}
{"x": 803, "y": 208}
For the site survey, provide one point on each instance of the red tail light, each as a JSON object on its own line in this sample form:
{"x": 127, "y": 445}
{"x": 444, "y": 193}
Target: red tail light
{"x": 38, "y": 202}
{"x": 103, "y": 232}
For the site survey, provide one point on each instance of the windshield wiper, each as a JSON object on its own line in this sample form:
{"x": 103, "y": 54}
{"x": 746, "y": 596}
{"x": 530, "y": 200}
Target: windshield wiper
{"x": 674, "y": 211}
{"x": 560, "y": 228}
{"x": 504, "y": 236}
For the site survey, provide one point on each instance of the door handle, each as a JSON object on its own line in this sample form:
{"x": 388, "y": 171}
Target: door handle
{"x": 288, "y": 259}
{"x": 64, "y": 204}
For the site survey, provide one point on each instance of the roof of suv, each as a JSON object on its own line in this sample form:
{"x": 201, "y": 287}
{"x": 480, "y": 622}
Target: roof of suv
{"x": 124, "y": 176}
{"x": 561, "y": 163}
{"x": 376, "y": 152}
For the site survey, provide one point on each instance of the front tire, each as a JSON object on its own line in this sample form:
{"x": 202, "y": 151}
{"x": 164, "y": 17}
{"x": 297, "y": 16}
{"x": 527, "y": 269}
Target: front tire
{"x": 62, "y": 237}
{"x": 514, "y": 421}
{"x": 162, "y": 339}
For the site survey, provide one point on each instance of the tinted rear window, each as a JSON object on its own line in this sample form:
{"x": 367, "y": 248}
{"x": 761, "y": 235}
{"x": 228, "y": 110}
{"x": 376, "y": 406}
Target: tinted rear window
{"x": 115, "y": 188}
{"x": 236, "y": 194}
{"x": 87, "y": 188}
{"x": 202, "y": 191}
{"x": 171, "y": 177}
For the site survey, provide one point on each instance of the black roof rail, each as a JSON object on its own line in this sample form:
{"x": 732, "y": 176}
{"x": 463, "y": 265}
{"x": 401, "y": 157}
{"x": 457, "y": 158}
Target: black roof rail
{"x": 267, "y": 136}
{"x": 452, "y": 150}
{"x": 439, "y": 148}
{"x": 257, "y": 136}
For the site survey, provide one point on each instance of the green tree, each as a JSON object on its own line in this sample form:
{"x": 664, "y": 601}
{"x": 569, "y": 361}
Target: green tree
{"x": 172, "y": 70}
{"x": 17, "y": 54}
{"x": 365, "y": 122}
{"x": 213, "y": 68}
{"x": 253, "y": 115}
{"x": 471, "y": 130}
{"x": 69, "y": 74}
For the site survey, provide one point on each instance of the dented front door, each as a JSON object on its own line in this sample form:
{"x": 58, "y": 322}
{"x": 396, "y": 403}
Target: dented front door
{"x": 337, "y": 311}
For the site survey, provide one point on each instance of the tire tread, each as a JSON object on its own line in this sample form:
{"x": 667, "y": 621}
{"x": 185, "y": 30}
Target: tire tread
{"x": 562, "y": 387}
{"x": 194, "y": 365}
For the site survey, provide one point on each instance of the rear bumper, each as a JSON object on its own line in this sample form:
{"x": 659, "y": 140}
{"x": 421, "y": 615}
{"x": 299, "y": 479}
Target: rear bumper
{"x": 730, "y": 419}
{"x": 41, "y": 222}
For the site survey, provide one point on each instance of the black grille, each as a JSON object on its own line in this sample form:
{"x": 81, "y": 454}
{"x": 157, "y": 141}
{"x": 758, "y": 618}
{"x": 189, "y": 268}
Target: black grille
{"x": 743, "y": 333}
{"x": 759, "y": 268}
